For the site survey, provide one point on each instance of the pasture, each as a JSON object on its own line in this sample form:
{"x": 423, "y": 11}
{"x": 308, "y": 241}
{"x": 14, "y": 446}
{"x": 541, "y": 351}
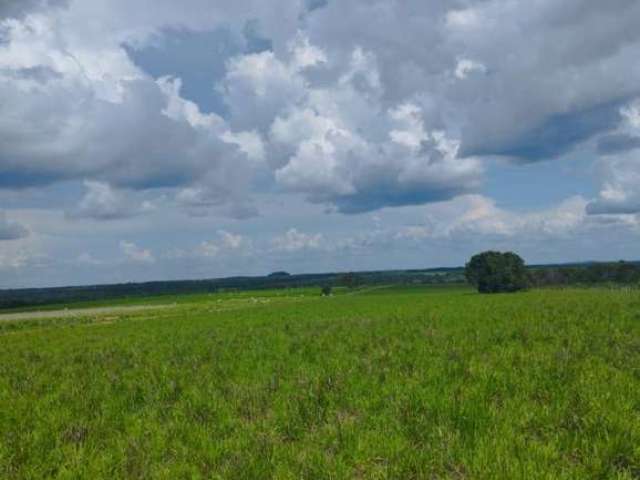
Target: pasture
{"x": 400, "y": 383}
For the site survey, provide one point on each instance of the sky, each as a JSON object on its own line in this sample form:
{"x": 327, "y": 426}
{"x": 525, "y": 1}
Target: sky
{"x": 155, "y": 140}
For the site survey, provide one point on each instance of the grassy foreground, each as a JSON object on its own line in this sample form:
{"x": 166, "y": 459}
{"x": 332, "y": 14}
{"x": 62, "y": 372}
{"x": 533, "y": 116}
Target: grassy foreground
{"x": 391, "y": 383}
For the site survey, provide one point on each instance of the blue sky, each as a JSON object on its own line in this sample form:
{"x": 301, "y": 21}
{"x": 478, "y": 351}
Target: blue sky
{"x": 160, "y": 140}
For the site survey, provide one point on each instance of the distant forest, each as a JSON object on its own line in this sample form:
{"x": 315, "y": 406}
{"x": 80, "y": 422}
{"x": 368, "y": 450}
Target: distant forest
{"x": 627, "y": 273}
{"x": 624, "y": 273}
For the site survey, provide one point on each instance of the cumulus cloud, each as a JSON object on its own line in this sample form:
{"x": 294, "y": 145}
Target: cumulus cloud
{"x": 523, "y": 106}
{"x": 136, "y": 254}
{"x": 620, "y": 192}
{"x": 102, "y": 202}
{"x": 337, "y": 143}
{"x": 478, "y": 216}
{"x": 233, "y": 241}
{"x": 18, "y": 254}
{"x": 466, "y": 67}
{"x": 619, "y": 167}
{"x": 16, "y": 260}
{"x": 10, "y": 230}
{"x": 294, "y": 241}
{"x": 321, "y": 111}
{"x": 226, "y": 244}
{"x": 354, "y": 106}
{"x": 86, "y": 258}
{"x": 70, "y": 117}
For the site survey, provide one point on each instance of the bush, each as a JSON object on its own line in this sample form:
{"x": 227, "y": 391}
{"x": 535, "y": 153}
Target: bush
{"x": 496, "y": 272}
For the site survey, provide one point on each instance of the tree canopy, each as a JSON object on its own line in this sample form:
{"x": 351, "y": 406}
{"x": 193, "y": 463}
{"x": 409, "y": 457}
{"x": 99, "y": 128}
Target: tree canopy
{"x": 496, "y": 272}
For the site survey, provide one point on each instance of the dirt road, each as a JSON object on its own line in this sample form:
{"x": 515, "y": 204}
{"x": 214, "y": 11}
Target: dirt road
{"x": 79, "y": 312}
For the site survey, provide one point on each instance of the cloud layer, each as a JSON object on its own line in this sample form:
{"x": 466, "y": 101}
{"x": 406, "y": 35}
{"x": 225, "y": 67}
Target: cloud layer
{"x": 348, "y": 107}
{"x": 359, "y": 106}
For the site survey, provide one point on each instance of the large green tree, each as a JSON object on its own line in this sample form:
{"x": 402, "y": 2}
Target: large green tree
{"x": 495, "y": 272}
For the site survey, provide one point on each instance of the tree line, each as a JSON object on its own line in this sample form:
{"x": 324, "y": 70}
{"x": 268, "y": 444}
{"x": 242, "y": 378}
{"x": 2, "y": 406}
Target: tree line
{"x": 498, "y": 272}
{"x": 276, "y": 280}
{"x": 504, "y": 272}
{"x": 626, "y": 273}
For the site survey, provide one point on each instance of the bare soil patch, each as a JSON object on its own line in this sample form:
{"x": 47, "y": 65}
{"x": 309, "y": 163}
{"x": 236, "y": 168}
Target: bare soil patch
{"x": 79, "y": 312}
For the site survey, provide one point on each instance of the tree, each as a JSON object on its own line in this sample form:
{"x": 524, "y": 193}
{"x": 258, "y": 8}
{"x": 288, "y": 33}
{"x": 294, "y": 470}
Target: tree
{"x": 495, "y": 272}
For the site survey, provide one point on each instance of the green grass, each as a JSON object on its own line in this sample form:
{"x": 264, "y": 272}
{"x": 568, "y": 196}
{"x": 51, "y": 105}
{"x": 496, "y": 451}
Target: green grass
{"x": 390, "y": 383}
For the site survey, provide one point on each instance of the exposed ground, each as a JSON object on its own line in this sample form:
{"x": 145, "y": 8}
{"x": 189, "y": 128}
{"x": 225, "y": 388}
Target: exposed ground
{"x": 79, "y": 312}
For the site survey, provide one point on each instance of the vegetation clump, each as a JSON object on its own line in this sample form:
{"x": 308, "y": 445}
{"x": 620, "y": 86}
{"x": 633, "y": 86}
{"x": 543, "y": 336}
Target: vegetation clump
{"x": 497, "y": 272}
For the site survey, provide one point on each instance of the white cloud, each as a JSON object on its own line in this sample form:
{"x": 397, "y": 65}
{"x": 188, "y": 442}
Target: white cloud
{"x": 207, "y": 249}
{"x": 233, "y": 241}
{"x": 476, "y": 215}
{"x": 412, "y": 132}
{"x": 136, "y": 254}
{"x": 69, "y": 116}
{"x": 475, "y": 218}
{"x": 356, "y": 106}
{"x": 620, "y": 192}
{"x": 16, "y": 260}
{"x": 304, "y": 55}
{"x": 631, "y": 114}
{"x": 20, "y": 253}
{"x": 337, "y": 143}
{"x": 258, "y": 86}
{"x": 522, "y": 107}
{"x": 226, "y": 245}
{"x": 249, "y": 143}
{"x": 86, "y": 258}
{"x": 464, "y": 18}
{"x": 80, "y": 108}
{"x": 466, "y": 67}
{"x": 294, "y": 241}
{"x": 102, "y": 202}
{"x": 619, "y": 167}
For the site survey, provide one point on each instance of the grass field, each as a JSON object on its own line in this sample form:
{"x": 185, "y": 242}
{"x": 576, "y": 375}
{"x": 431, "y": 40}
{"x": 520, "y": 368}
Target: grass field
{"x": 387, "y": 383}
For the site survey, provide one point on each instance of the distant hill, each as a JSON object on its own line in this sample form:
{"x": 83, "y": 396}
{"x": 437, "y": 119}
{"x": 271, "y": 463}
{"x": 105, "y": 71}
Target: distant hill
{"x": 571, "y": 274}
{"x": 279, "y": 275}
{"x": 42, "y": 296}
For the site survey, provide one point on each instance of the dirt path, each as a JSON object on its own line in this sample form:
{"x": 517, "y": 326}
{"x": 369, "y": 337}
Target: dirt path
{"x": 79, "y": 312}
